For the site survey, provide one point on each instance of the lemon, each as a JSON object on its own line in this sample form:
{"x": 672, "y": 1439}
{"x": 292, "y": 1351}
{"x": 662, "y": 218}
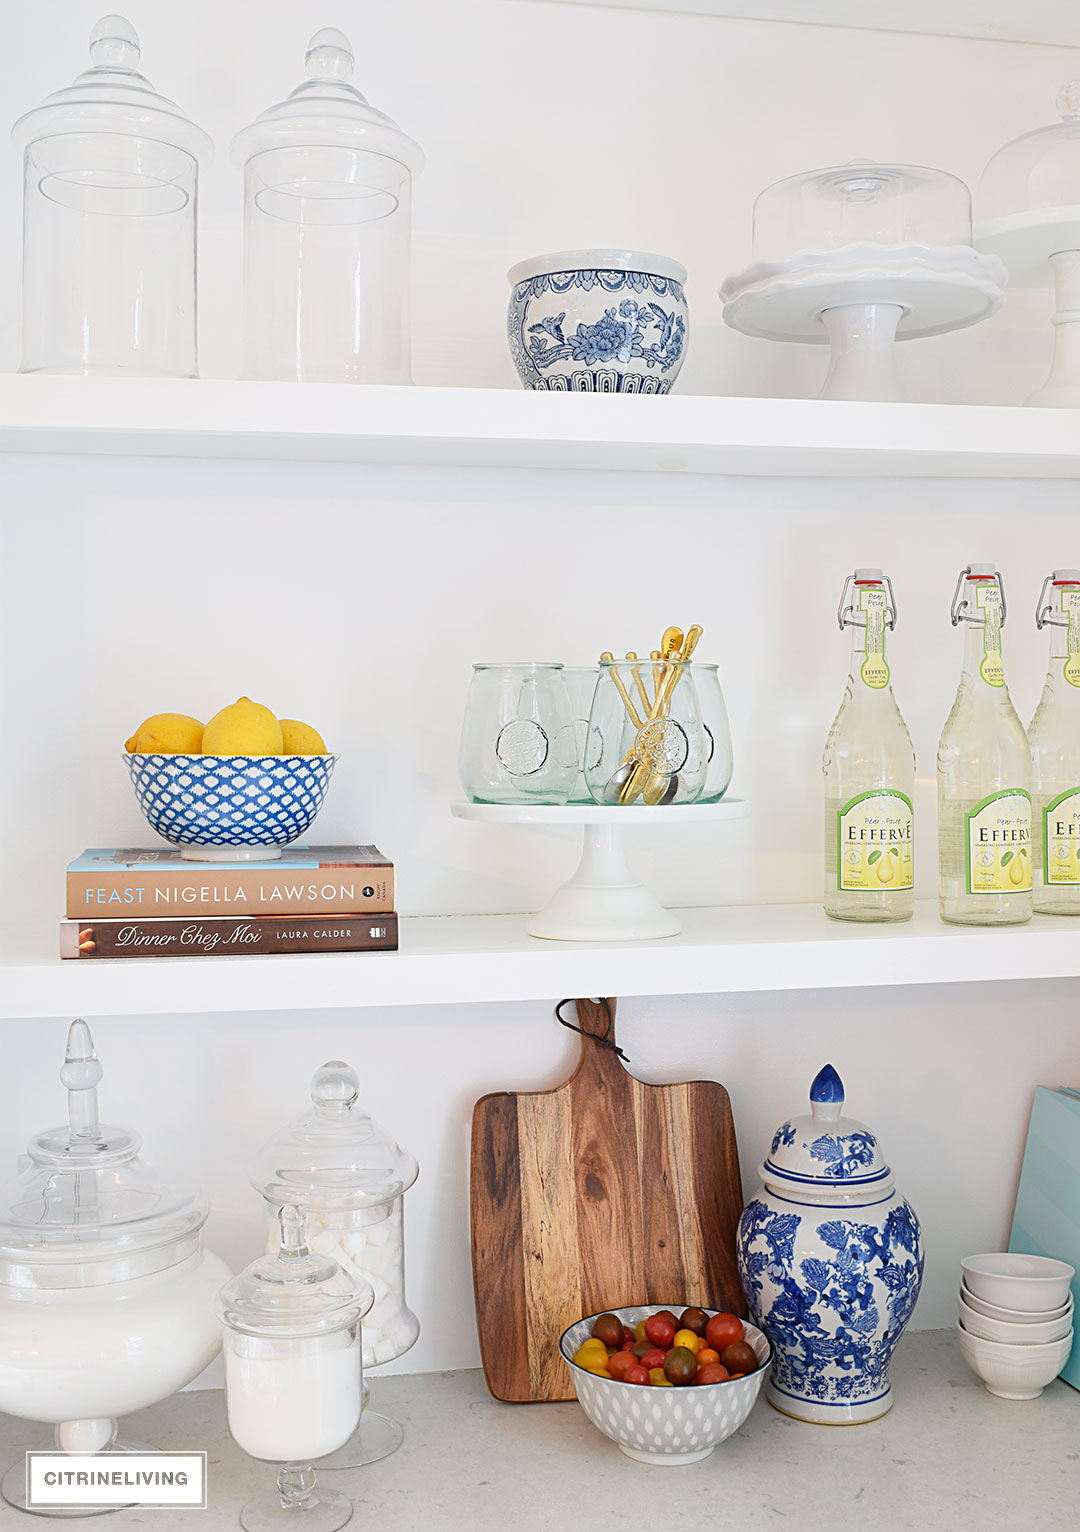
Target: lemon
{"x": 301, "y": 739}
{"x": 166, "y": 734}
{"x": 242, "y": 728}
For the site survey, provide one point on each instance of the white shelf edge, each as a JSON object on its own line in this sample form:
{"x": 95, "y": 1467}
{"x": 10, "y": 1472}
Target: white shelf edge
{"x": 469, "y": 959}
{"x": 513, "y": 428}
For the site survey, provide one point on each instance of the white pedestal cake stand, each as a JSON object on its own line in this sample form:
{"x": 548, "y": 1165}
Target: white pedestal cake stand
{"x": 861, "y": 299}
{"x": 603, "y": 901}
{"x": 1042, "y": 249}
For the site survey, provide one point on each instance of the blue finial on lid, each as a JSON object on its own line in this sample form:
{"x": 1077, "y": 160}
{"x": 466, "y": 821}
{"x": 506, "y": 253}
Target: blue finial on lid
{"x": 827, "y": 1086}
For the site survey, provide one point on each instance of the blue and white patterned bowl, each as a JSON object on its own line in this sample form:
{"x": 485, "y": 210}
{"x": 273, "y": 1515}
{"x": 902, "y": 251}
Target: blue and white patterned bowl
{"x": 665, "y": 1427}
{"x": 230, "y": 807}
{"x": 598, "y": 321}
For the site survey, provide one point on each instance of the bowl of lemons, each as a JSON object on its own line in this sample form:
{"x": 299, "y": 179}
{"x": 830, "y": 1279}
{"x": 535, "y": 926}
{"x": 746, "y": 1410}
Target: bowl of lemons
{"x": 236, "y": 789}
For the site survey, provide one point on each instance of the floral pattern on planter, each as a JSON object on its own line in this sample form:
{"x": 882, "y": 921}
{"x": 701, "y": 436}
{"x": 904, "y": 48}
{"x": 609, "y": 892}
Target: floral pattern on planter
{"x": 565, "y": 334}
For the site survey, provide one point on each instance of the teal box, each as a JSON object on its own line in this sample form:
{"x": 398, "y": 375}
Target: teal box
{"x": 1047, "y": 1217}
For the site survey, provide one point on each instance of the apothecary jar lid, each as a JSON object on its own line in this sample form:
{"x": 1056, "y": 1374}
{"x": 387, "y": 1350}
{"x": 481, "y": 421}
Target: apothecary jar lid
{"x": 327, "y": 111}
{"x": 293, "y": 1292}
{"x": 113, "y": 97}
{"x": 87, "y": 1210}
{"x": 334, "y": 1155}
{"x": 825, "y": 1156}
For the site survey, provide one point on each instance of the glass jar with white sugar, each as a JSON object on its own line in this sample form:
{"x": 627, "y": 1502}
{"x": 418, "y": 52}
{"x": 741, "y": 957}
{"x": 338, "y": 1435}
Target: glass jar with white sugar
{"x": 106, "y": 1288}
{"x": 349, "y": 1177}
{"x": 293, "y": 1374}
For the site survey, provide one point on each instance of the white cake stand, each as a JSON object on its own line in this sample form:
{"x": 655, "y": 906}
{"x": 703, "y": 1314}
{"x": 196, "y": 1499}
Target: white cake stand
{"x": 1042, "y": 249}
{"x": 603, "y": 901}
{"x": 861, "y": 299}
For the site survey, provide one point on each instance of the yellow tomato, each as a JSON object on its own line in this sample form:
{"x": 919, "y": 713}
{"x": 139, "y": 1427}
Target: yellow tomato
{"x": 598, "y": 1369}
{"x": 639, "y": 1330}
{"x": 657, "y": 1379}
{"x": 688, "y": 1339}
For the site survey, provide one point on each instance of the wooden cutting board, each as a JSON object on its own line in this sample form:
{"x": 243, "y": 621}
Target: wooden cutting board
{"x": 601, "y": 1193}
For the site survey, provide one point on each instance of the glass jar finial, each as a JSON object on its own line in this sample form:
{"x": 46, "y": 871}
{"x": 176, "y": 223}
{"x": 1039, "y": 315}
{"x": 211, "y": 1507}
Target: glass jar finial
{"x": 114, "y": 44}
{"x": 334, "y": 1088}
{"x": 329, "y": 55}
{"x": 80, "y": 1074}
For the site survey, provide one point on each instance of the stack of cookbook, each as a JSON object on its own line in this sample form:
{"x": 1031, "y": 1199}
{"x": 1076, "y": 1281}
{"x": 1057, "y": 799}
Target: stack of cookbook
{"x": 131, "y": 903}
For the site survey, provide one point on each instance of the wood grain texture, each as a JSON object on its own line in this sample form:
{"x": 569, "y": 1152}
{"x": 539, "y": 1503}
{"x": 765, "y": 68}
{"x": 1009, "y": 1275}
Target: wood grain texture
{"x": 600, "y": 1193}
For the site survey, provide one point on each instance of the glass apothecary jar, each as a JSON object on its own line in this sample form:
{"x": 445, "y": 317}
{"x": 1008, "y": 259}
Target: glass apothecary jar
{"x": 293, "y": 1373}
{"x": 111, "y": 173}
{"x": 327, "y": 231}
{"x": 348, "y": 1177}
{"x": 106, "y": 1290}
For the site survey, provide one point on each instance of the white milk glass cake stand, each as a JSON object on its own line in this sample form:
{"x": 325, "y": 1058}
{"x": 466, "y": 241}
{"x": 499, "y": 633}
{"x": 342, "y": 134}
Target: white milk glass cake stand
{"x": 603, "y": 901}
{"x": 858, "y": 257}
{"x": 1029, "y": 216}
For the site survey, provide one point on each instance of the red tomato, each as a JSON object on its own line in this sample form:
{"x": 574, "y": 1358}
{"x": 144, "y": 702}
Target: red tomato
{"x": 667, "y": 1314}
{"x": 723, "y": 1330}
{"x": 628, "y": 1335}
{"x": 628, "y": 1345}
{"x": 622, "y": 1363}
{"x": 712, "y": 1372}
{"x": 653, "y": 1358}
{"x": 661, "y": 1330}
{"x": 636, "y": 1375}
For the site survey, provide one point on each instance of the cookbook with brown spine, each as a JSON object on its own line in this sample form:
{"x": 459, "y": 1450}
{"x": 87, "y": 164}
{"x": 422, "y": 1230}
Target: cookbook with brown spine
{"x": 160, "y": 884}
{"x": 227, "y": 937}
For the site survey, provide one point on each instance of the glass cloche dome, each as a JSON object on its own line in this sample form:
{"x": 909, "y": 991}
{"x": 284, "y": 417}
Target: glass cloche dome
{"x": 860, "y": 203}
{"x": 1029, "y": 196}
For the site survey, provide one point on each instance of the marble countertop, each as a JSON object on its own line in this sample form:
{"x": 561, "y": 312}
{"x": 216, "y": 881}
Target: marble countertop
{"x": 948, "y": 1458}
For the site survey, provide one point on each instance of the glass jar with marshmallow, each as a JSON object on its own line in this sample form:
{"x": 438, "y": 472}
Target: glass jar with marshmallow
{"x": 348, "y": 1177}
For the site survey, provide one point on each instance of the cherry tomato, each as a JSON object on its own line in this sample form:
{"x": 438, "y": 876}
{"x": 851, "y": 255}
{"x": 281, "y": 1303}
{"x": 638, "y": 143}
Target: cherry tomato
{"x": 642, "y": 1348}
{"x": 739, "y": 1357}
{"x": 713, "y": 1373}
{"x": 657, "y": 1379}
{"x": 628, "y": 1335}
{"x": 608, "y": 1328}
{"x": 688, "y": 1339}
{"x": 660, "y": 1330}
{"x": 693, "y": 1319}
{"x": 653, "y": 1358}
{"x": 598, "y": 1369}
{"x": 627, "y": 1345}
{"x": 707, "y": 1355}
{"x": 680, "y": 1366}
{"x": 667, "y": 1314}
{"x": 621, "y": 1363}
{"x": 723, "y": 1330}
{"x": 639, "y": 1330}
{"x": 636, "y": 1375}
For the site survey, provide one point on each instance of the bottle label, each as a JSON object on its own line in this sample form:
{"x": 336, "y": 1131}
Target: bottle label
{"x": 1061, "y": 838}
{"x": 875, "y": 843}
{"x": 1070, "y": 606}
{"x": 999, "y": 844}
{"x": 874, "y": 670}
{"x": 988, "y": 599}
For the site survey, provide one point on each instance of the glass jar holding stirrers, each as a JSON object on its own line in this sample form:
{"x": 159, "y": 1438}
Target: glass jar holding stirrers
{"x": 648, "y": 727}
{"x": 293, "y": 1374}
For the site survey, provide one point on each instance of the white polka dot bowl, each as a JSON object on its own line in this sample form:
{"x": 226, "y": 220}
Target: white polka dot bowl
{"x": 665, "y": 1427}
{"x": 230, "y": 808}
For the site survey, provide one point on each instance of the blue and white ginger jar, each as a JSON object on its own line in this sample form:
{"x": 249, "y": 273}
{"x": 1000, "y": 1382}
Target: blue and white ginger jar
{"x": 598, "y": 321}
{"x": 831, "y": 1263}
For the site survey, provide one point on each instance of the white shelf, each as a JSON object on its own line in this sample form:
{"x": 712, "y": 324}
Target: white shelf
{"x": 466, "y": 959}
{"x": 513, "y": 428}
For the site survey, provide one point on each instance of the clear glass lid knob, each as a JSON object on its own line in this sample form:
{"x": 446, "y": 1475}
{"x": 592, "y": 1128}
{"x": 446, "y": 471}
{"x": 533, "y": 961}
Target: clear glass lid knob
{"x": 114, "y": 44}
{"x": 329, "y": 56}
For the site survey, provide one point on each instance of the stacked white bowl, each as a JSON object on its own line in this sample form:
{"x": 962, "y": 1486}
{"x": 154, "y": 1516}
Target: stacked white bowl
{"x": 1016, "y": 1321}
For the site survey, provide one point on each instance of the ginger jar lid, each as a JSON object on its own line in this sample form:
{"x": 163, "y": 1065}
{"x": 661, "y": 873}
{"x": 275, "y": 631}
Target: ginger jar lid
{"x": 293, "y": 1292}
{"x": 825, "y": 1156}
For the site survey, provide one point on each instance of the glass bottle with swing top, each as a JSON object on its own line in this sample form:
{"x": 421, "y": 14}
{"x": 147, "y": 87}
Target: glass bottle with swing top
{"x": 869, "y": 771}
{"x": 984, "y": 773}
{"x": 1054, "y": 737}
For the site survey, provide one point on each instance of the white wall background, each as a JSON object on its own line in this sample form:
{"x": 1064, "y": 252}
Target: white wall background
{"x": 359, "y": 597}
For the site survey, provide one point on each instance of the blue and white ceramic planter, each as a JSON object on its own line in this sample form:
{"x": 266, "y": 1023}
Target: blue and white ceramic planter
{"x": 831, "y": 1263}
{"x": 598, "y": 321}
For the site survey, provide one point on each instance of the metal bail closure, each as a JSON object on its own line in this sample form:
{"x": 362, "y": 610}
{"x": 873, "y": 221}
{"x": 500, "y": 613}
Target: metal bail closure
{"x": 958, "y": 609}
{"x": 846, "y": 613}
{"x": 1045, "y": 616}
